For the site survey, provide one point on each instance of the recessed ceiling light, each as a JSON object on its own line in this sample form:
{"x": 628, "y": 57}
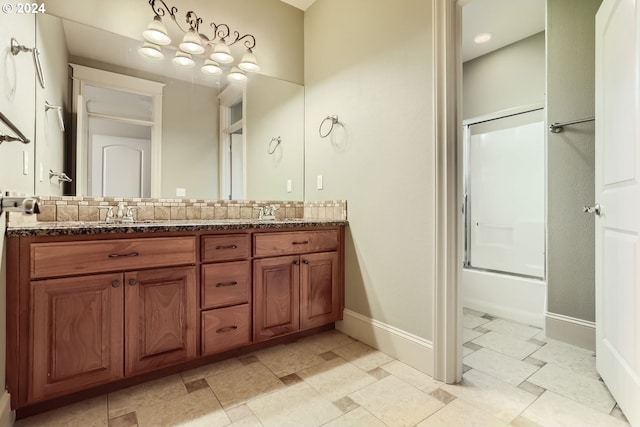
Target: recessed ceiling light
{"x": 483, "y": 37}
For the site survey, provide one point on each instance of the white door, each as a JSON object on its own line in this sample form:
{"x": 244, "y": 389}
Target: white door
{"x": 119, "y": 166}
{"x": 618, "y": 193}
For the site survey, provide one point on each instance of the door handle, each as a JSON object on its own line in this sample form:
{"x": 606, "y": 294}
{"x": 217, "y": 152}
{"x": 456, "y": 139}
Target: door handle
{"x": 592, "y": 209}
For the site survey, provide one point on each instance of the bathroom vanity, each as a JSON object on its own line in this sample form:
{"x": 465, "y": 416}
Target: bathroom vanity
{"x": 94, "y": 306}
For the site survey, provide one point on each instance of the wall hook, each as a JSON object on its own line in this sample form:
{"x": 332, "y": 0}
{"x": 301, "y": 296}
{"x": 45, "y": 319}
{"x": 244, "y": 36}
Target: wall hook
{"x": 272, "y": 148}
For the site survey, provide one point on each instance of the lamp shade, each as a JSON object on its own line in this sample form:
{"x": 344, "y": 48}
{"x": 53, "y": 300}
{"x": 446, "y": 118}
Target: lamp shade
{"x": 183, "y": 59}
{"x": 151, "y": 51}
{"x": 156, "y": 32}
{"x": 211, "y": 68}
{"x": 191, "y": 43}
{"x": 249, "y": 62}
{"x": 237, "y": 75}
{"x": 221, "y": 53}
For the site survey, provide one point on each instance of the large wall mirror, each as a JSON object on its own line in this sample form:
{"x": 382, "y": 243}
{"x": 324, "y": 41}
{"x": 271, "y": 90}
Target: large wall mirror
{"x": 192, "y": 154}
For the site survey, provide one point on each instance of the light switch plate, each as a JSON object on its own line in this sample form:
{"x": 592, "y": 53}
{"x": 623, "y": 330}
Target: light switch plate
{"x": 319, "y": 182}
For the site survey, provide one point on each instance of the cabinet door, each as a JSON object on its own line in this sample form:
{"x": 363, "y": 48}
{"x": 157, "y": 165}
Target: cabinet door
{"x": 319, "y": 289}
{"x": 276, "y": 296}
{"x": 160, "y": 318}
{"x": 76, "y": 333}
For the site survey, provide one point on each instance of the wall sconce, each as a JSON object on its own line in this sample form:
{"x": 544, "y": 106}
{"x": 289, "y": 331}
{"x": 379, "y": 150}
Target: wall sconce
{"x": 195, "y": 43}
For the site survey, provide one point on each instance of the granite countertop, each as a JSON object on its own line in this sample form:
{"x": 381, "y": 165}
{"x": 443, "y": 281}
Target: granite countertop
{"x": 62, "y": 228}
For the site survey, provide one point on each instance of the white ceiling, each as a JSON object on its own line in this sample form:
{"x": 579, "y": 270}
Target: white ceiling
{"x": 508, "y": 20}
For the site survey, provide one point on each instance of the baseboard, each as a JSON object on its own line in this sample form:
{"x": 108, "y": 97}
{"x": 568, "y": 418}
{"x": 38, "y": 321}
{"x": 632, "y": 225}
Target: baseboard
{"x": 407, "y": 348}
{"x": 578, "y": 332}
{"x": 7, "y": 416}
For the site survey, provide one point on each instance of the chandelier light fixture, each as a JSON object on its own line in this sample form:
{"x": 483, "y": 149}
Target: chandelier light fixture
{"x": 195, "y": 43}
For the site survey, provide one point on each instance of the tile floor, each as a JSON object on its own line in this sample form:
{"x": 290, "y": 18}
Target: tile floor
{"x": 513, "y": 376}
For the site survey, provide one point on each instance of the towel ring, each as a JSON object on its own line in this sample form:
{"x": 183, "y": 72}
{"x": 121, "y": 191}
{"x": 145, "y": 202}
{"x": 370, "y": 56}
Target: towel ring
{"x": 272, "y": 148}
{"x": 333, "y": 120}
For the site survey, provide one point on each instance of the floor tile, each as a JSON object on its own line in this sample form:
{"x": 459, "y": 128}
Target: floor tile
{"x": 412, "y": 376}
{"x": 498, "y": 398}
{"x": 239, "y": 412}
{"x": 576, "y": 359}
{"x": 507, "y": 327}
{"x": 325, "y": 341}
{"x": 471, "y": 321}
{"x": 461, "y": 413}
{"x": 310, "y": 408}
{"x": 472, "y": 312}
{"x": 251, "y": 421}
{"x": 552, "y": 409}
{"x": 500, "y": 366}
{"x": 506, "y": 345}
{"x": 588, "y": 391}
{"x": 404, "y": 406}
{"x": 146, "y": 394}
{"x": 443, "y": 396}
{"x": 336, "y": 378}
{"x": 197, "y": 409}
{"x": 359, "y": 417}
{"x": 209, "y": 370}
{"x": 363, "y": 356}
{"x": 240, "y": 385}
{"x": 346, "y": 404}
{"x": 469, "y": 334}
{"x": 531, "y": 388}
{"x": 284, "y": 360}
{"x": 89, "y": 413}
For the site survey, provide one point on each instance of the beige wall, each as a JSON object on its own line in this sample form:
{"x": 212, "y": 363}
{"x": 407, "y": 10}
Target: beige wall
{"x": 570, "y": 158}
{"x": 381, "y": 157}
{"x": 275, "y": 108}
{"x": 506, "y": 78}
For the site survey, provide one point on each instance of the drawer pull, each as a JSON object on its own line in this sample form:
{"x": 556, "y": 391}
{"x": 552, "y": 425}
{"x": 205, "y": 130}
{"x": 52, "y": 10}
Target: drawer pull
{"x": 226, "y": 329}
{"x": 129, "y": 255}
{"x": 115, "y": 283}
{"x": 227, "y": 247}
{"x": 304, "y": 242}
{"x": 225, "y": 284}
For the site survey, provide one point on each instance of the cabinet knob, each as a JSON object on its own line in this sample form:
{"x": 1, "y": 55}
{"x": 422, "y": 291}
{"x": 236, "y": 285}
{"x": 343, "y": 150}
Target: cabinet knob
{"x": 133, "y": 282}
{"x": 306, "y": 261}
{"x": 296, "y": 262}
{"x": 115, "y": 283}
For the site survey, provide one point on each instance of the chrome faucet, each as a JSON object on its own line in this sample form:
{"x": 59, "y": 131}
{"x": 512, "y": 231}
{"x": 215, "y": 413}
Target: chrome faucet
{"x": 267, "y": 212}
{"x": 122, "y": 215}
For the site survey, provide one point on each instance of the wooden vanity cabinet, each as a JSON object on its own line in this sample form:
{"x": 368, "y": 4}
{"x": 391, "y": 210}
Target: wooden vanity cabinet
{"x": 225, "y": 286}
{"x": 296, "y": 292}
{"x": 86, "y": 311}
{"x": 91, "y": 329}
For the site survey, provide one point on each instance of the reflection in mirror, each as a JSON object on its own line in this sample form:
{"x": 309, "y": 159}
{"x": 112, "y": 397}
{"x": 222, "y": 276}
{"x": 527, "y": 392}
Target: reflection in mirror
{"x": 190, "y": 131}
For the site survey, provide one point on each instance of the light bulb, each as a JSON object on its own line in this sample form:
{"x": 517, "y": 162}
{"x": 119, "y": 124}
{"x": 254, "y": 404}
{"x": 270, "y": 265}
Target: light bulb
{"x": 249, "y": 62}
{"x": 191, "y": 43}
{"x": 211, "y": 68}
{"x": 221, "y": 53}
{"x": 236, "y": 75}
{"x": 183, "y": 59}
{"x": 156, "y": 32}
{"x": 151, "y": 51}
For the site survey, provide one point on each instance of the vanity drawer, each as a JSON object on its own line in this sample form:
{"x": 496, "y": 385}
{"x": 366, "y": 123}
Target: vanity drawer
{"x": 71, "y": 258}
{"x": 225, "y": 328}
{"x": 225, "y": 284}
{"x": 269, "y": 244}
{"x": 225, "y": 247}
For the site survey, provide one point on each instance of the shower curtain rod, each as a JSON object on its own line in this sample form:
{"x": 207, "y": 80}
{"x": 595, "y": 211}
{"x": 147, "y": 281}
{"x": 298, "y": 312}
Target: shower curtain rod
{"x": 557, "y": 127}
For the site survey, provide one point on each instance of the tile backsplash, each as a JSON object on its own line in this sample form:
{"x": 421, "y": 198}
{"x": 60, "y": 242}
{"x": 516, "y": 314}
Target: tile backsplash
{"x": 70, "y": 208}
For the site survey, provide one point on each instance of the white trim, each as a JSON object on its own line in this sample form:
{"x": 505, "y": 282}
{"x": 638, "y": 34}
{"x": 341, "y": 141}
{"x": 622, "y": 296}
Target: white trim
{"x": 404, "y": 346}
{"x": 7, "y": 416}
{"x": 447, "y": 108}
{"x": 571, "y": 330}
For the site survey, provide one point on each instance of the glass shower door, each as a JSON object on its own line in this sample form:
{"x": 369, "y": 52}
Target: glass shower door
{"x": 504, "y": 194}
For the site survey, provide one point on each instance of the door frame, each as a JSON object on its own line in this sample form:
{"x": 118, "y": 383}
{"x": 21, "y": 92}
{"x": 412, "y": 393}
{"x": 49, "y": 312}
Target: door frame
{"x": 447, "y": 137}
{"x": 81, "y": 76}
